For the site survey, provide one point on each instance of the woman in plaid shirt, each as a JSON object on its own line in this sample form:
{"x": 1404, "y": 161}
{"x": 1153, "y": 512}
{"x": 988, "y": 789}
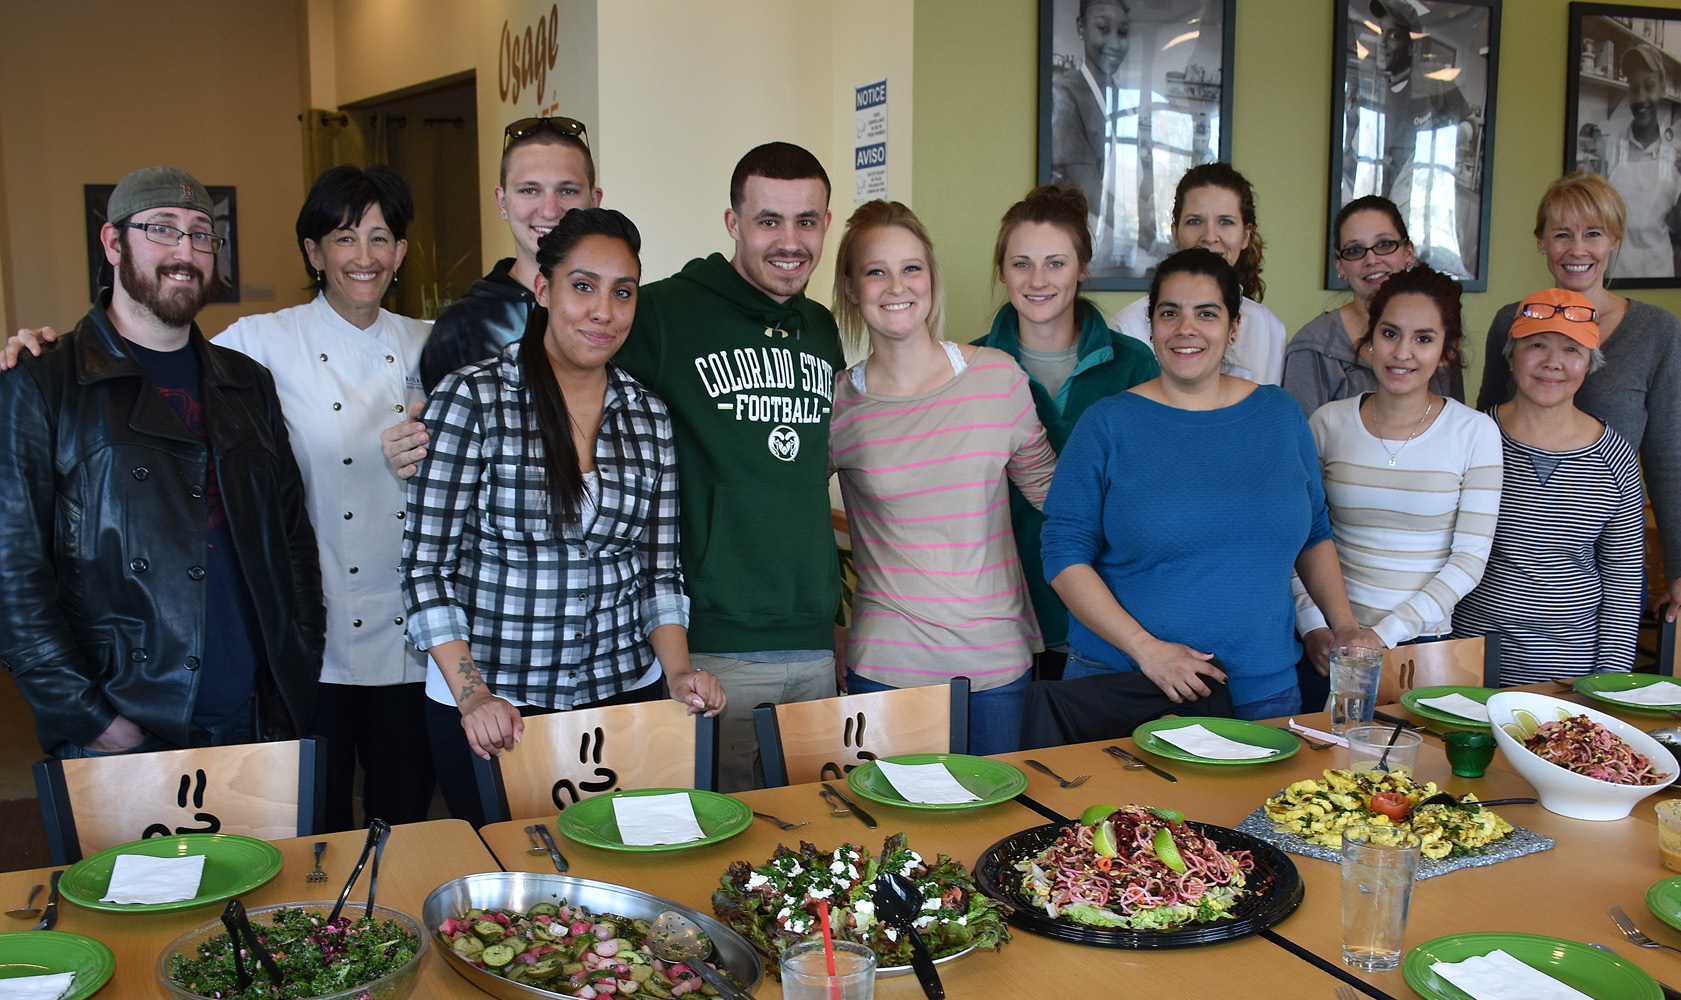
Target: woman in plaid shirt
{"x": 540, "y": 558}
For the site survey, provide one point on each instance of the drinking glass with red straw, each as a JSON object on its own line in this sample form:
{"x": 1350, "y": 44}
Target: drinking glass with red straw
{"x": 828, "y": 948}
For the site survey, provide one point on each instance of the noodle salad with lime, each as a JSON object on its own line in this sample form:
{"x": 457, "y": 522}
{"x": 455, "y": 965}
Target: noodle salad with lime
{"x": 1138, "y": 868}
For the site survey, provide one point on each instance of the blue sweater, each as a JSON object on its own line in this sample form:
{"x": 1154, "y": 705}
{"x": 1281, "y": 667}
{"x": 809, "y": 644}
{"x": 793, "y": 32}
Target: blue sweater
{"x": 1194, "y": 519}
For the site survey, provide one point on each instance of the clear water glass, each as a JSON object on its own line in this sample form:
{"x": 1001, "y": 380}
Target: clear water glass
{"x": 805, "y": 973}
{"x": 1354, "y": 682}
{"x": 1379, "y": 865}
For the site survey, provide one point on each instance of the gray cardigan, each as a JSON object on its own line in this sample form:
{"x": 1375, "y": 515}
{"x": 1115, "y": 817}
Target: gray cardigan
{"x": 1320, "y": 365}
{"x": 1637, "y": 393}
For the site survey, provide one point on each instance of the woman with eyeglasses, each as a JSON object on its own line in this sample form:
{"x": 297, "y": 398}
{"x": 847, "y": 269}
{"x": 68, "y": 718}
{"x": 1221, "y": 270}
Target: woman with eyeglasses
{"x": 1412, "y": 477}
{"x": 1564, "y": 578}
{"x": 1214, "y": 207}
{"x": 1321, "y": 363}
{"x": 1579, "y": 229}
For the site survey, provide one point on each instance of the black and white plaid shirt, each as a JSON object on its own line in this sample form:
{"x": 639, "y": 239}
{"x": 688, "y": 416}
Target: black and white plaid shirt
{"x": 552, "y": 620}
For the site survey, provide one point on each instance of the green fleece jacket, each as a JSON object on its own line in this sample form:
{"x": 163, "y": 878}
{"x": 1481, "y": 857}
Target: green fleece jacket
{"x": 749, "y": 382}
{"x": 1107, "y": 363}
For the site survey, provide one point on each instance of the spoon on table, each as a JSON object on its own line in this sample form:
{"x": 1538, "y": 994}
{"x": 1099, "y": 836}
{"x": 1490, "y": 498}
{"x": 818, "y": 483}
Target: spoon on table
{"x": 28, "y": 910}
{"x": 676, "y": 938}
{"x": 898, "y": 902}
{"x": 1383, "y": 761}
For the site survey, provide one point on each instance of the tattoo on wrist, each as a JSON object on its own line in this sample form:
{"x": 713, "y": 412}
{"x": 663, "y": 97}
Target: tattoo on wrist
{"x": 466, "y": 669}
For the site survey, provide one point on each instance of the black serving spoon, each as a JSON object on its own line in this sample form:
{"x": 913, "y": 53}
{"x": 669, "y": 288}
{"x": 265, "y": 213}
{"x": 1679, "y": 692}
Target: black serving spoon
{"x": 898, "y": 902}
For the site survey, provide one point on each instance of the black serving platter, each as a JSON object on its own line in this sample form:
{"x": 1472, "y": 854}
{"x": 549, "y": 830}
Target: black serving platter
{"x": 1276, "y": 891}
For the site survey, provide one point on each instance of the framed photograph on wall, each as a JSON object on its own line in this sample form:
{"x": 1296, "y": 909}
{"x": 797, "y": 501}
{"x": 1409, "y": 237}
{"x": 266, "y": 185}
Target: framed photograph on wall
{"x": 1621, "y": 121}
{"x": 1413, "y": 121}
{"x": 1130, "y": 97}
{"x": 224, "y": 222}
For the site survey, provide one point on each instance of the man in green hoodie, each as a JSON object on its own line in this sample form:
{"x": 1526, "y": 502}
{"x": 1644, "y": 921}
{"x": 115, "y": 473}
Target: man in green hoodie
{"x": 746, "y": 364}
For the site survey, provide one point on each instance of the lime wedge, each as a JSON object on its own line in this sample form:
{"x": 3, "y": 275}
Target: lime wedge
{"x": 1527, "y": 720}
{"x": 1097, "y": 814}
{"x": 1171, "y": 815}
{"x": 1103, "y": 840}
{"x": 1166, "y": 851}
{"x": 1515, "y": 731}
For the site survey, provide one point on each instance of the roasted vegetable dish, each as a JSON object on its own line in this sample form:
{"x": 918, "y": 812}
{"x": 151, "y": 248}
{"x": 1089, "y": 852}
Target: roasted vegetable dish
{"x": 1319, "y": 809}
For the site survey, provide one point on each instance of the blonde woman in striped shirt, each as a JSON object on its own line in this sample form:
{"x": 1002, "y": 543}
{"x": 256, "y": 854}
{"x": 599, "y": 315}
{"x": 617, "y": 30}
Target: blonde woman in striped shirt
{"x": 1412, "y": 478}
{"x": 927, "y": 437}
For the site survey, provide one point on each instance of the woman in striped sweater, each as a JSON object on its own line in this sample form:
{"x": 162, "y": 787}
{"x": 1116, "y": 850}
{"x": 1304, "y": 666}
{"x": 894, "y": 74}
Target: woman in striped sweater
{"x": 927, "y": 436}
{"x": 1564, "y": 578}
{"x": 1412, "y": 478}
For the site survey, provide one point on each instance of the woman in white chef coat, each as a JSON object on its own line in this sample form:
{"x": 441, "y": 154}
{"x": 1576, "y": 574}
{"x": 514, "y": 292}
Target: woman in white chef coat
{"x": 345, "y": 370}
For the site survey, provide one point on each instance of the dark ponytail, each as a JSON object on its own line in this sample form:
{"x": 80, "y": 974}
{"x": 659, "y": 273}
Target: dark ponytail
{"x": 562, "y": 478}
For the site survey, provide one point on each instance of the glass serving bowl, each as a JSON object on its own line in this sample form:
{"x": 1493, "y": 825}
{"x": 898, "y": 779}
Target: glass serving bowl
{"x": 392, "y": 986}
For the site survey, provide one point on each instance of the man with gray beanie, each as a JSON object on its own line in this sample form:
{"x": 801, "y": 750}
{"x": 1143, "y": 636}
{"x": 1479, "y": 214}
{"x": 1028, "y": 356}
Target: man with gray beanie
{"x": 163, "y": 587}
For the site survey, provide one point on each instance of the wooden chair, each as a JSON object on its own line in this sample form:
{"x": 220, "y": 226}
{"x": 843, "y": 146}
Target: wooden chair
{"x": 567, "y": 756}
{"x": 823, "y": 739}
{"x": 271, "y": 791}
{"x": 1474, "y": 662}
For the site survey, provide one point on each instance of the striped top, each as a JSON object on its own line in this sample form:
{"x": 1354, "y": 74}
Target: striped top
{"x": 926, "y": 483}
{"x": 1413, "y": 538}
{"x": 1564, "y": 579}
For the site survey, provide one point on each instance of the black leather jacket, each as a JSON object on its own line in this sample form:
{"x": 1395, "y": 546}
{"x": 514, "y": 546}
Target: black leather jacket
{"x": 478, "y": 325}
{"x": 103, "y": 539}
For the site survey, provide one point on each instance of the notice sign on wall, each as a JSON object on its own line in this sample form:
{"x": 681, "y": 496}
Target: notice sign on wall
{"x": 869, "y": 170}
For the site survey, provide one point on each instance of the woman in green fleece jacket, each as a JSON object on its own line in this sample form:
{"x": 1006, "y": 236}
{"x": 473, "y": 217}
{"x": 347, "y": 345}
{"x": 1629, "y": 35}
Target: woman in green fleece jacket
{"x": 1071, "y": 356}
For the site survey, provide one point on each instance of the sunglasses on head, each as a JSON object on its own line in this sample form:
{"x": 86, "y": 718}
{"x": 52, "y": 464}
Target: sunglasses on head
{"x": 527, "y": 127}
{"x": 1547, "y": 310}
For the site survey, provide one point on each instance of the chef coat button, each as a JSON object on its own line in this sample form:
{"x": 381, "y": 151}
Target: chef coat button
{"x": 397, "y": 620}
{"x": 138, "y": 565}
{"x": 399, "y": 407}
{"x": 142, "y": 473}
{"x": 357, "y": 623}
{"x": 390, "y": 359}
{"x": 354, "y": 569}
{"x": 338, "y": 406}
{"x": 348, "y": 515}
{"x": 195, "y": 573}
{"x": 401, "y": 515}
{"x": 192, "y": 663}
{"x": 137, "y": 655}
{"x": 323, "y": 357}
{"x": 347, "y": 461}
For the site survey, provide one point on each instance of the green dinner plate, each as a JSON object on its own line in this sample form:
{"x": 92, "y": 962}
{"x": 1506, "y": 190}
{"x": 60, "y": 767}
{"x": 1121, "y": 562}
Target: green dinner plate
{"x": 1255, "y": 734}
{"x": 42, "y": 953}
{"x": 1480, "y": 695}
{"x": 1599, "y": 974}
{"x": 993, "y": 780}
{"x": 593, "y": 822}
{"x": 232, "y": 865}
{"x": 1593, "y": 684}
{"x": 1664, "y": 900}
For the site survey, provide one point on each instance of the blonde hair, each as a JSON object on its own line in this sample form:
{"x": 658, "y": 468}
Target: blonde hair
{"x": 1588, "y": 197}
{"x": 875, "y": 215}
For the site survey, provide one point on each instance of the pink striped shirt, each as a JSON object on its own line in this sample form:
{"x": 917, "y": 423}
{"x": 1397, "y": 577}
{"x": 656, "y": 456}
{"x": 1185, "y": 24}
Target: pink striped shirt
{"x": 926, "y": 484}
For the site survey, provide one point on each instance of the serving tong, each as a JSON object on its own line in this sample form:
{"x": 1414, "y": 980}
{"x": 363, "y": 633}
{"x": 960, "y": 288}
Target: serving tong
{"x": 243, "y": 939}
{"x": 378, "y": 830}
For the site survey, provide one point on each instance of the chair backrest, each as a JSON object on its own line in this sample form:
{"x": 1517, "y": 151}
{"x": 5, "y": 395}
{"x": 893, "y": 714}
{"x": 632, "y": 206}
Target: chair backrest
{"x": 1474, "y": 662}
{"x": 817, "y": 740}
{"x": 271, "y": 791}
{"x": 567, "y": 756}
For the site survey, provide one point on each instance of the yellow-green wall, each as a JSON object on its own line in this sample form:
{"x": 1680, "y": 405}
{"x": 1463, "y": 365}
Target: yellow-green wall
{"x": 976, "y": 120}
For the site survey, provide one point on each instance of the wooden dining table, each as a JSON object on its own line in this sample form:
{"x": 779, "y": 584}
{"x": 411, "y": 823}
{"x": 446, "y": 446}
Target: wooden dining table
{"x": 1563, "y": 892}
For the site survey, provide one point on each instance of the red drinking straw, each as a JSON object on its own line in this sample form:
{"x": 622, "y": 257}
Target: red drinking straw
{"x": 828, "y": 948}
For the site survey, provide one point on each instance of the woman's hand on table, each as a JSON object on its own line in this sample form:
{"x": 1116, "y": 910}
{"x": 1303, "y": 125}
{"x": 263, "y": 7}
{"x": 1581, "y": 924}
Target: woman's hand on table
{"x": 492, "y": 725}
{"x": 700, "y": 691}
{"x": 1318, "y": 643}
{"x": 1179, "y": 670}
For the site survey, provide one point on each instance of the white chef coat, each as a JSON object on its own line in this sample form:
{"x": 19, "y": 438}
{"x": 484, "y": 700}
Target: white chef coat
{"x": 340, "y": 387}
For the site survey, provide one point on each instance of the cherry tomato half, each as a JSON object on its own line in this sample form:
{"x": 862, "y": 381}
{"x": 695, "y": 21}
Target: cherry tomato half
{"x": 1391, "y": 804}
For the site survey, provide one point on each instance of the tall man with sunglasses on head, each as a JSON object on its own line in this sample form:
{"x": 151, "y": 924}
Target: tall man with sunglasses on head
{"x": 163, "y": 587}
{"x": 546, "y": 172}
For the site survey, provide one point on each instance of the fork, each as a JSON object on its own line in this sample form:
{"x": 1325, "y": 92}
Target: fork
{"x": 535, "y": 848}
{"x": 1632, "y": 932}
{"x": 784, "y": 824}
{"x": 1078, "y": 779}
{"x": 318, "y": 875}
{"x": 834, "y": 803}
{"x": 1127, "y": 761}
{"x": 1312, "y": 743}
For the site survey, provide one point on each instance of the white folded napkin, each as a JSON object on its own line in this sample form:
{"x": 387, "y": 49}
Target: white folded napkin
{"x": 1660, "y": 693}
{"x": 1199, "y": 740}
{"x": 1499, "y": 976}
{"x": 1316, "y": 734}
{"x": 931, "y": 784}
{"x": 1458, "y": 704}
{"x": 136, "y": 878}
{"x": 48, "y": 987}
{"x": 645, "y": 820}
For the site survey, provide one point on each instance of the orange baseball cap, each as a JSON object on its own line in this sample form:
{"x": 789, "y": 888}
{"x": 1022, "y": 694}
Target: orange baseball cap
{"x": 1558, "y": 310}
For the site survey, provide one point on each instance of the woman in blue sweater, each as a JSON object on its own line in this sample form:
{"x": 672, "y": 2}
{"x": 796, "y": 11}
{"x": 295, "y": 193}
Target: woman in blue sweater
{"x": 1180, "y": 507}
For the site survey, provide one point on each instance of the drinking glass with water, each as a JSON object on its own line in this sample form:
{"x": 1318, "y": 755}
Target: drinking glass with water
{"x": 1354, "y": 682}
{"x": 1379, "y": 864}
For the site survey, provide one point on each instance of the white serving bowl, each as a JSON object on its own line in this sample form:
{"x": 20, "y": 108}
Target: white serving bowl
{"x": 1564, "y": 791}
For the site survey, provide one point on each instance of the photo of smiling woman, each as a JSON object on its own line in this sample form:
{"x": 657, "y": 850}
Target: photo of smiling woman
{"x": 540, "y": 559}
{"x": 1180, "y": 508}
{"x": 927, "y": 438}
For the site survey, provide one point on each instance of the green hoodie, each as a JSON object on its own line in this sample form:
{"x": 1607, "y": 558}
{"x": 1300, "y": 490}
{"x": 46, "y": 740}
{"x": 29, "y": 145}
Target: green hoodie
{"x": 749, "y": 382}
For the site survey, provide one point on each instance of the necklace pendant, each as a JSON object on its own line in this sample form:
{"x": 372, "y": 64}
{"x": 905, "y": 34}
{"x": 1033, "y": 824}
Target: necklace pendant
{"x": 1392, "y": 461}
